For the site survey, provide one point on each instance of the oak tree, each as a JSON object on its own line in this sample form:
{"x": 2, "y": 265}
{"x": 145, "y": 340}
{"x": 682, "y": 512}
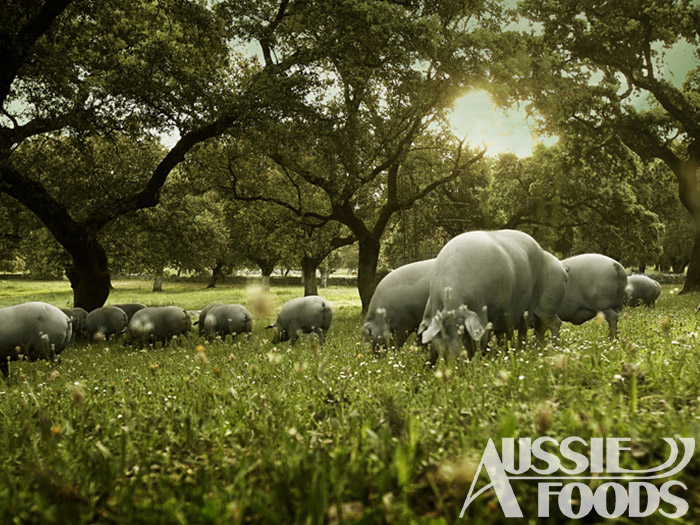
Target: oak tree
{"x": 601, "y": 69}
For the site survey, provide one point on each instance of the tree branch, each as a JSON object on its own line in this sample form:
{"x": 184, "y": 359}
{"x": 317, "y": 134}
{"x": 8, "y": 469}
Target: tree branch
{"x": 457, "y": 170}
{"x": 286, "y": 163}
{"x": 293, "y": 183}
{"x": 150, "y": 195}
{"x": 266, "y": 41}
{"x": 51, "y": 212}
{"x": 233, "y": 189}
{"x": 37, "y": 126}
{"x": 673, "y": 102}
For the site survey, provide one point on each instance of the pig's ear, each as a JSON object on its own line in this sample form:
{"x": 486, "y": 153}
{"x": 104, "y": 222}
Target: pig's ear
{"x": 425, "y": 322}
{"x": 432, "y": 330}
{"x": 423, "y": 326}
{"x": 473, "y": 325}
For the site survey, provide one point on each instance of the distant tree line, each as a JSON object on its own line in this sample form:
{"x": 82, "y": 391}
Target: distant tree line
{"x": 629, "y": 211}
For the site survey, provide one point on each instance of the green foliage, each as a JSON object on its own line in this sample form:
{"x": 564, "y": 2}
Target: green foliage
{"x": 245, "y": 431}
{"x": 389, "y": 71}
{"x": 274, "y": 219}
{"x": 581, "y": 198}
{"x": 13, "y": 218}
{"x": 599, "y": 72}
{"x": 452, "y": 208}
{"x": 572, "y": 197}
{"x": 186, "y": 231}
{"x": 127, "y": 64}
{"x": 79, "y": 72}
{"x": 41, "y": 256}
{"x": 264, "y": 235}
{"x": 88, "y": 174}
{"x": 26, "y": 245}
{"x": 617, "y": 50}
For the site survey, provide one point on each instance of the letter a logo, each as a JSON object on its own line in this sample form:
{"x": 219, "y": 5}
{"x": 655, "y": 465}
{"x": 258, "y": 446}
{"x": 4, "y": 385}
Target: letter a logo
{"x": 499, "y": 481}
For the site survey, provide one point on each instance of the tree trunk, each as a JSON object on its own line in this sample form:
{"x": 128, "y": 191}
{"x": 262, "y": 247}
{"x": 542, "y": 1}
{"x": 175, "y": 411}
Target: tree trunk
{"x": 686, "y": 172}
{"x": 217, "y": 275}
{"x": 89, "y": 276}
{"x": 309, "y": 266}
{"x": 266, "y": 282}
{"x": 368, "y": 259}
{"x": 678, "y": 265}
{"x": 692, "y": 278}
{"x": 158, "y": 282}
{"x": 266, "y": 269}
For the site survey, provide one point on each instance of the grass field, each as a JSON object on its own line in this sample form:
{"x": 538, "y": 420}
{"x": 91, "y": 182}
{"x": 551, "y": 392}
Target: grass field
{"x": 246, "y": 431}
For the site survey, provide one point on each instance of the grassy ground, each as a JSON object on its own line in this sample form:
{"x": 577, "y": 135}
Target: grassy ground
{"x": 245, "y": 431}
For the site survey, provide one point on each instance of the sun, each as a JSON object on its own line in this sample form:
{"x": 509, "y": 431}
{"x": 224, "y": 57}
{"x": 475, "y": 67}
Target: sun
{"x": 475, "y": 116}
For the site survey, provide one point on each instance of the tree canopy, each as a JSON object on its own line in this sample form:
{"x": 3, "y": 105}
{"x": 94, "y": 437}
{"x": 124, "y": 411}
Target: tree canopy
{"x": 141, "y": 69}
{"x": 325, "y": 123}
{"x": 599, "y": 69}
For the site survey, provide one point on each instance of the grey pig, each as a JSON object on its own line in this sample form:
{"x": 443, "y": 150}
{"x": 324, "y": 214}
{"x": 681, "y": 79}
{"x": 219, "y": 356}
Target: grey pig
{"x": 130, "y": 309}
{"x": 157, "y": 323}
{"x": 103, "y": 323}
{"x": 303, "y": 315}
{"x": 77, "y": 316}
{"x": 483, "y": 282}
{"x": 597, "y": 283}
{"x": 545, "y": 314}
{"x": 36, "y": 330}
{"x": 226, "y": 319}
{"x": 642, "y": 290}
{"x": 397, "y": 306}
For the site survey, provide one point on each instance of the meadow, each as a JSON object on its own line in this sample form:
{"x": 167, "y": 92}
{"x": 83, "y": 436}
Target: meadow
{"x": 245, "y": 431}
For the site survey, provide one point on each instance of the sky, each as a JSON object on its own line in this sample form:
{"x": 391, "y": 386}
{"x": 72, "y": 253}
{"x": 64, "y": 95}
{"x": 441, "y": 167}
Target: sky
{"x": 510, "y": 131}
{"x": 499, "y": 130}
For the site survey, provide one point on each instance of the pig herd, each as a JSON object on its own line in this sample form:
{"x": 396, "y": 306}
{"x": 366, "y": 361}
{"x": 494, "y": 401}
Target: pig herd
{"x": 494, "y": 283}
{"x": 39, "y": 330}
{"x": 481, "y": 283}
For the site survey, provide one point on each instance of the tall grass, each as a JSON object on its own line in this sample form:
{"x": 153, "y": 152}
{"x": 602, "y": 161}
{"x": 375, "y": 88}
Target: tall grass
{"x": 247, "y": 431}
